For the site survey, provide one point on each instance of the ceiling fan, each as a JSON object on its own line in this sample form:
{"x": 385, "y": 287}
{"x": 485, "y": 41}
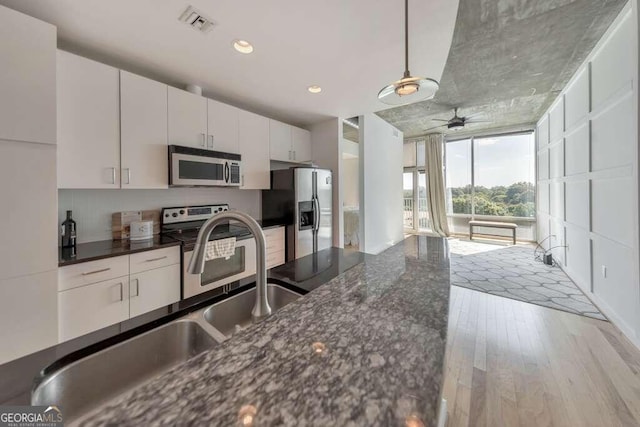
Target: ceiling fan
{"x": 457, "y": 122}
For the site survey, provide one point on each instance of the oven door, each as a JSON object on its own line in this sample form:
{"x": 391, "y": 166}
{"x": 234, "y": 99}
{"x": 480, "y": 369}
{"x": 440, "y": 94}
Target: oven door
{"x": 220, "y": 271}
{"x": 192, "y": 171}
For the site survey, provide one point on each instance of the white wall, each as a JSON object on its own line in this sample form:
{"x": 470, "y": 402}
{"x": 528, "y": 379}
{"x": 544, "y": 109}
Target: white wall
{"x": 588, "y": 179}
{"x": 92, "y": 209}
{"x": 381, "y": 159}
{"x": 326, "y": 152}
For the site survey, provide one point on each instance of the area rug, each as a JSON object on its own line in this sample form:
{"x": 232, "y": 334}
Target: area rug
{"x": 512, "y": 272}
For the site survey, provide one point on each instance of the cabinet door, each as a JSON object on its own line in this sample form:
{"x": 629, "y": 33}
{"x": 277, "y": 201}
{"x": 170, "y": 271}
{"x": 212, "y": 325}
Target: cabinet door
{"x": 28, "y": 78}
{"x": 154, "y": 289}
{"x": 143, "y": 116}
{"x": 280, "y": 141}
{"x": 222, "y": 127}
{"x": 29, "y": 314}
{"x": 301, "y": 144}
{"x": 29, "y": 220}
{"x": 254, "y": 148}
{"x": 92, "y": 307}
{"x": 187, "y": 119}
{"x": 88, "y": 123}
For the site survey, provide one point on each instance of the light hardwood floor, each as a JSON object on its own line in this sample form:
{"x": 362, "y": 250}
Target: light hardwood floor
{"x": 511, "y": 363}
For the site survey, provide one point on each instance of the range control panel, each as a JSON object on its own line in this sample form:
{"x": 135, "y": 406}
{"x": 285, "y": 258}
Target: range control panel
{"x": 191, "y": 213}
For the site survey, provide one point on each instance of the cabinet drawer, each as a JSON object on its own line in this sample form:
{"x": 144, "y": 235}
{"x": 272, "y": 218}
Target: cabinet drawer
{"x": 275, "y": 259}
{"x": 92, "y": 307}
{"x": 92, "y": 272}
{"x": 150, "y": 260}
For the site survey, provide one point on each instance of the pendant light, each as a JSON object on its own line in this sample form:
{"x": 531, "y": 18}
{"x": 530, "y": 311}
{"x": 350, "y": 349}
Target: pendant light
{"x": 408, "y": 88}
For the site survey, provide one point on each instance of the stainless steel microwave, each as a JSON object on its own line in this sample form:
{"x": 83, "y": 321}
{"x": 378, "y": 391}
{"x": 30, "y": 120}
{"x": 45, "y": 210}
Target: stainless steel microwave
{"x": 194, "y": 167}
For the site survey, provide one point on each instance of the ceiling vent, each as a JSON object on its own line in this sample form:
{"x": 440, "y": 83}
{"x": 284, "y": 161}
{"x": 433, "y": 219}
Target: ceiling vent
{"x": 196, "y": 20}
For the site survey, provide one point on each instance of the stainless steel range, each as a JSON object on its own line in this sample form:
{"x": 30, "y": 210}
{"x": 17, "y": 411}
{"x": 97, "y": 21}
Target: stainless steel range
{"x": 183, "y": 223}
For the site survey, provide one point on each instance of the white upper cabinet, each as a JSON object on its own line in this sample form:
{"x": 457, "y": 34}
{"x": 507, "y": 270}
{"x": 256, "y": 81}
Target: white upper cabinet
{"x": 28, "y": 78}
{"x": 88, "y": 123}
{"x": 254, "y": 149}
{"x": 301, "y": 144}
{"x": 143, "y": 116}
{"x": 289, "y": 143}
{"x": 280, "y": 141}
{"x": 223, "y": 127}
{"x": 187, "y": 119}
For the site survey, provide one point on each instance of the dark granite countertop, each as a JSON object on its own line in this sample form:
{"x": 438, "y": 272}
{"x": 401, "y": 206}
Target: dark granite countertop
{"x": 381, "y": 326}
{"x": 92, "y": 251}
{"x": 17, "y": 376}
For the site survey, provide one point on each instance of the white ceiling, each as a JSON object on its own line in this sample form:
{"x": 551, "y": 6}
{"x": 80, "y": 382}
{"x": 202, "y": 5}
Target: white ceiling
{"x": 350, "y": 48}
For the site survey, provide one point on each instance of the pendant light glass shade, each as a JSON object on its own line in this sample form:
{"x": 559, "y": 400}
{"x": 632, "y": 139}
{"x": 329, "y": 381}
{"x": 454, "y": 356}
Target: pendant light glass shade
{"x": 408, "y": 89}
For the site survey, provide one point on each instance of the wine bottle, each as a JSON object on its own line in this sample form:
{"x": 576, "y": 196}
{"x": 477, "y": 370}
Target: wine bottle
{"x": 68, "y": 231}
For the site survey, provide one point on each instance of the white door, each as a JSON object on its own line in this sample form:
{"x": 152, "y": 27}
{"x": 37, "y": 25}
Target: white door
{"x": 88, "y": 123}
{"x": 222, "y": 127}
{"x": 301, "y": 144}
{"x": 254, "y": 149}
{"x": 187, "y": 119}
{"x": 280, "y": 141}
{"x": 92, "y": 307}
{"x": 143, "y": 116}
{"x": 28, "y": 78}
{"x": 154, "y": 289}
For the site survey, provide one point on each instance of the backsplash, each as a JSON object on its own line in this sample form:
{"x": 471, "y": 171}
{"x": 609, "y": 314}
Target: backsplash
{"x": 92, "y": 209}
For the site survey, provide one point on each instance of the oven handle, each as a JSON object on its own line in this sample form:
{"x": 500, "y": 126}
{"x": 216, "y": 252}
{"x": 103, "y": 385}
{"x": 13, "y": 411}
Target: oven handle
{"x": 226, "y": 172}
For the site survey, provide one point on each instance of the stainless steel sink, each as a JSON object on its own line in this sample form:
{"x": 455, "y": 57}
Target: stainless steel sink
{"x": 88, "y": 383}
{"x": 234, "y": 314}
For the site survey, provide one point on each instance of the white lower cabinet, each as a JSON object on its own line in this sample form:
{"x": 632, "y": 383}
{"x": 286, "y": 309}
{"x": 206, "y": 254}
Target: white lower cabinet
{"x": 91, "y": 307}
{"x": 153, "y": 289}
{"x": 274, "y": 240}
{"x": 91, "y": 298}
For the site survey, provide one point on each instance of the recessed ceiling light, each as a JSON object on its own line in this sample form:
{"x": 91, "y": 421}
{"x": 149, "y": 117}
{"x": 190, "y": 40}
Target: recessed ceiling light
{"x": 314, "y": 89}
{"x": 242, "y": 46}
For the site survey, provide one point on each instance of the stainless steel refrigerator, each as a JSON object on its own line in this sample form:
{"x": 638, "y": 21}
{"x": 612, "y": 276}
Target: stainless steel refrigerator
{"x": 302, "y": 197}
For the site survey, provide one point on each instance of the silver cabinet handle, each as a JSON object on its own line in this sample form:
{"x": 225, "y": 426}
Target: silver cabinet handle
{"x": 121, "y": 291}
{"x": 156, "y": 259}
{"x": 128, "y": 175}
{"x": 96, "y": 271}
{"x": 294, "y": 154}
{"x": 113, "y": 175}
{"x": 204, "y": 143}
{"x": 210, "y": 141}
{"x": 137, "y": 293}
{"x": 289, "y": 154}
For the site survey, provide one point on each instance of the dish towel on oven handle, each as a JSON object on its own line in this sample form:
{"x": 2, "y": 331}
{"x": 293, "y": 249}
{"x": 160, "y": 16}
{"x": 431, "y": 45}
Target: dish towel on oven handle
{"x": 222, "y": 248}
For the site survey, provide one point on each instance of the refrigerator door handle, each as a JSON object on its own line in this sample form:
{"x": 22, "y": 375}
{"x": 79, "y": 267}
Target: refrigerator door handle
{"x": 316, "y": 214}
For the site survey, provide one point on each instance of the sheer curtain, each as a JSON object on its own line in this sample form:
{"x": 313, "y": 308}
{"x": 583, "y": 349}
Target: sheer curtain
{"x": 436, "y": 189}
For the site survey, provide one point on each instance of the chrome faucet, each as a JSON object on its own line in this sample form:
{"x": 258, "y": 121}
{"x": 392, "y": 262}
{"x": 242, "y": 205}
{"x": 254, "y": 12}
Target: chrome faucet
{"x": 196, "y": 264}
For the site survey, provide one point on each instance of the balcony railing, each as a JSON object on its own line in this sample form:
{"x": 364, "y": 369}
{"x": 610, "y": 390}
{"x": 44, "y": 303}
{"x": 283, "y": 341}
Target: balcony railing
{"x": 423, "y": 214}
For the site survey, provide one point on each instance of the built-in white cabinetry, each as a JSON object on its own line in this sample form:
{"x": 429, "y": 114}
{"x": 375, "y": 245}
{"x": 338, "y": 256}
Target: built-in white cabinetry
{"x": 143, "y": 143}
{"x": 254, "y": 149}
{"x": 222, "y": 127}
{"x": 28, "y": 255}
{"x": 301, "y": 144}
{"x": 289, "y": 143}
{"x": 275, "y": 246}
{"x": 96, "y": 294}
{"x": 88, "y": 123}
{"x": 28, "y": 78}
{"x": 280, "y": 141}
{"x": 187, "y": 119}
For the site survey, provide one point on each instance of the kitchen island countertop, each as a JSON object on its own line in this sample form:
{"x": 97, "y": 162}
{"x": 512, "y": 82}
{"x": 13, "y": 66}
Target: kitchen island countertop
{"x": 366, "y": 348}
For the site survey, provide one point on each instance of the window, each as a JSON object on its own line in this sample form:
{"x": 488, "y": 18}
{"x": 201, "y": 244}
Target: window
{"x": 458, "y": 167}
{"x": 492, "y": 176}
{"x": 407, "y": 186}
{"x": 416, "y": 215}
